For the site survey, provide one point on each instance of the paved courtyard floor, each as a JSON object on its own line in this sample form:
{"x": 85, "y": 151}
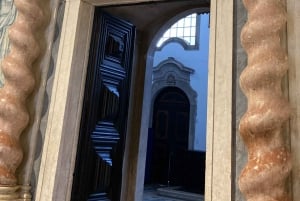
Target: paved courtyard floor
{"x": 152, "y": 194}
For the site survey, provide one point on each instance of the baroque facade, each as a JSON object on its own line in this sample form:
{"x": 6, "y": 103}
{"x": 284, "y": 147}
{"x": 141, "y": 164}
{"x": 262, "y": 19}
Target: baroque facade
{"x": 42, "y": 97}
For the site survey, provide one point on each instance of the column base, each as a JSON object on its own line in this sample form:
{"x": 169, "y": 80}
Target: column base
{"x": 9, "y": 193}
{"x": 25, "y": 194}
{"x": 16, "y": 193}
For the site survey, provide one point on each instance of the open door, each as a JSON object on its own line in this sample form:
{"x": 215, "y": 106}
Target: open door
{"x": 98, "y": 168}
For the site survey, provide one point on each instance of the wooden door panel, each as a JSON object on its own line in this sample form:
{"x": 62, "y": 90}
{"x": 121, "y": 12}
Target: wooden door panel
{"x": 99, "y": 160}
{"x": 181, "y": 126}
{"x": 161, "y": 126}
{"x": 170, "y": 135}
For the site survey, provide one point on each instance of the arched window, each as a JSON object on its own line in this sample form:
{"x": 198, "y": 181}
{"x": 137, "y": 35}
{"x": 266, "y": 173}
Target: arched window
{"x": 184, "y": 30}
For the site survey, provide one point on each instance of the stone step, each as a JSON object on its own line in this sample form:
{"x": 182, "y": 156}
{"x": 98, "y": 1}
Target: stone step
{"x": 176, "y": 192}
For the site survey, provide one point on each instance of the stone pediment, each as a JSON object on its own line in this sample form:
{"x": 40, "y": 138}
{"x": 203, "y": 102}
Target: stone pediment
{"x": 171, "y": 71}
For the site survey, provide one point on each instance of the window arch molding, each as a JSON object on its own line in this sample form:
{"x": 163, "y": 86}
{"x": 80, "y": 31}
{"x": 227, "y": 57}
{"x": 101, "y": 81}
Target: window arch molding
{"x": 179, "y": 41}
{"x": 172, "y": 21}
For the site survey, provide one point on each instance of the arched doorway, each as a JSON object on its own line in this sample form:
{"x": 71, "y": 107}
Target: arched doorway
{"x": 168, "y": 140}
{"x": 172, "y": 73}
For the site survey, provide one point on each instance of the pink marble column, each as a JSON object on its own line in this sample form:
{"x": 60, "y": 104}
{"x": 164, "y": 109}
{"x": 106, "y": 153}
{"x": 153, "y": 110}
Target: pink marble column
{"x": 269, "y": 163}
{"x": 17, "y": 68}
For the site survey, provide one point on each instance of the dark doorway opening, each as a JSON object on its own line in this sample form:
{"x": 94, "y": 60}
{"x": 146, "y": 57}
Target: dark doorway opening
{"x": 169, "y": 139}
{"x": 169, "y": 162}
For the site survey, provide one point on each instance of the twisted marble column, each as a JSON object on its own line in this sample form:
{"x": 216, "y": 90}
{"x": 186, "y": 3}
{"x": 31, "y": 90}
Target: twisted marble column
{"x": 19, "y": 83}
{"x": 269, "y": 164}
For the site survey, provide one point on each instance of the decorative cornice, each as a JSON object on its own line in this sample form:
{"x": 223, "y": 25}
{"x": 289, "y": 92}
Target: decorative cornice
{"x": 19, "y": 83}
{"x": 269, "y": 162}
{"x": 172, "y": 61}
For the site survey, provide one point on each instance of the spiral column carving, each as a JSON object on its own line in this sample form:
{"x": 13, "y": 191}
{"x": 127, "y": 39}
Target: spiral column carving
{"x": 19, "y": 82}
{"x": 269, "y": 163}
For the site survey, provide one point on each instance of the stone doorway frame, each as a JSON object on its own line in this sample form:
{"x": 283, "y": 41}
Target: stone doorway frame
{"x": 55, "y": 176}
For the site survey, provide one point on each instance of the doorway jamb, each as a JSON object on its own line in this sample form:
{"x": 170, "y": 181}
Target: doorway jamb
{"x": 218, "y": 181}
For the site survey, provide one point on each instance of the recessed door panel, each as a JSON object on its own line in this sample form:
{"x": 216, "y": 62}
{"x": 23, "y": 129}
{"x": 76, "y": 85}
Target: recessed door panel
{"x": 99, "y": 160}
{"x": 170, "y": 136}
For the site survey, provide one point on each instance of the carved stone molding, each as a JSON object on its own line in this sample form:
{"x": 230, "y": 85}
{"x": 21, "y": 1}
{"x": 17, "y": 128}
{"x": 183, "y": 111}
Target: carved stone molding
{"x": 269, "y": 163}
{"x": 17, "y": 66}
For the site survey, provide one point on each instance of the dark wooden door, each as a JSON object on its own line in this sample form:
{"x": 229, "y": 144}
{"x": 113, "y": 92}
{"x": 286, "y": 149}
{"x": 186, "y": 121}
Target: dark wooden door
{"x": 98, "y": 167}
{"x": 170, "y": 136}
